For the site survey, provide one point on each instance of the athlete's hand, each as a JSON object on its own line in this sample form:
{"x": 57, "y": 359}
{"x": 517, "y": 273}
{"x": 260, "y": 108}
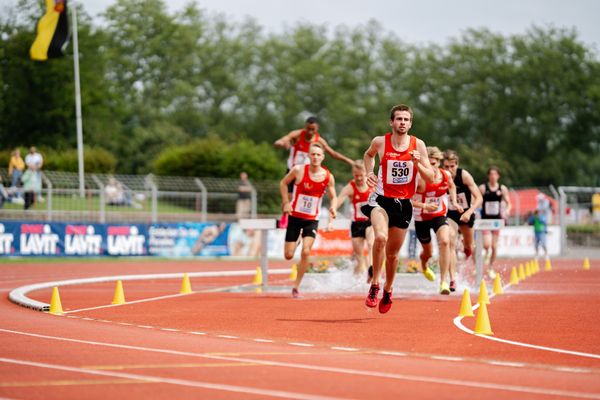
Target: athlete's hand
{"x": 416, "y": 156}
{"x": 332, "y": 214}
{"x": 287, "y": 208}
{"x": 371, "y": 179}
{"x": 458, "y": 208}
{"x": 430, "y": 207}
{"x": 466, "y": 216}
{"x": 282, "y": 143}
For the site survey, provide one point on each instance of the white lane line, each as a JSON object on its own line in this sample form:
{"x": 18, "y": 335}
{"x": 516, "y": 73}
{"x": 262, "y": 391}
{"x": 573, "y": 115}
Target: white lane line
{"x": 392, "y": 353}
{"x": 301, "y": 344}
{"x": 171, "y": 381}
{"x": 125, "y": 323}
{"x": 343, "y": 348}
{"x": 145, "y": 326}
{"x": 458, "y": 323}
{"x": 228, "y": 336}
{"x": 263, "y": 340}
{"x": 197, "y": 333}
{"x": 507, "y": 364}
{"x": 335, "y": 370}
{"x": 87, "y": 319}
{"x": 128, "y": 302}
{"x": 169, "y": 329}
{"x": 447, "y": 358}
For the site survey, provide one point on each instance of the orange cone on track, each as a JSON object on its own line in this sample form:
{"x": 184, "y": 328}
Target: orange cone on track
{"x": 55, "y": 304}
{"x": 483, "y": 294}
{"x": 482, "y": 323}
{"x": 258, "y": 280}
{"x": 466, "y": 309}
{"x": 522, "y": 275}
{"x": 119, "y": 297}
{"x": 498, "y": 285}
{"x": 586, "y": 264}
{"x": 514, "y": 278}
{"x": 186, "y": 286}
{"x": 548, "y": 266}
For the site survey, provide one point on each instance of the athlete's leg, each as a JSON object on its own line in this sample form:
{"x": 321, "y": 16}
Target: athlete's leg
{"x": 379, "y": 221}
{"x": 358, "y": 248}
{"x": 487, "y": 243}
{"x": 468, "y": 240}
{"x": 307, "y": 243}
{"x": 453, "y": 239}
{"x": 392, "y": 249}
{"x": 370, "y": 237}
{"x": 495, "y": 237}
{"x": 443, "y": 239}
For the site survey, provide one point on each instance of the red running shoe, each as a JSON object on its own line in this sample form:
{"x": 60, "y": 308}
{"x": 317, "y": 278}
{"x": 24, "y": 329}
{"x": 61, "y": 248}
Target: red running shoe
{"x": 371, "y": 300}
{"x": 452, "y": 286}
{"x": 386, "y": 302}
{"x": 295, "y": 293}
{"x": 468, "y": 252}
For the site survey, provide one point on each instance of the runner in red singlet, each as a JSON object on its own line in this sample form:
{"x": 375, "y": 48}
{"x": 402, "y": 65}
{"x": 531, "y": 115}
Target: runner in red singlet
{"x": 402, "y": 158}
{"x": 310, "y": 183}
{"x": 430, "y": 208}
{"x": 361, "y": 231}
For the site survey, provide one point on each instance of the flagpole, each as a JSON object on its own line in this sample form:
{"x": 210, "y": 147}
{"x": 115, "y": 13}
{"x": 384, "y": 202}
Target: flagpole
{"x": 78, "y": 103}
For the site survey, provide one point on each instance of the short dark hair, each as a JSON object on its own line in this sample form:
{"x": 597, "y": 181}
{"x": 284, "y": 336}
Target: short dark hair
{"x": 400, "y": 107}
{"x": 312, "y": 120}
{"x": 493, "y": 168}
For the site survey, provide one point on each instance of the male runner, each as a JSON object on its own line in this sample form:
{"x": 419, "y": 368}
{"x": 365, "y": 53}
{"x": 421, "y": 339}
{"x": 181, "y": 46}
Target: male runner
{"x": 469, "y": 200}
{"x": 361, "y": 231}
{"x": 430, "y": 208}
{"x": 310, "y": 183}
{"x": 401, "y": 158}
{"x": 298, "y": 142}
{"x": 494, "y": 193}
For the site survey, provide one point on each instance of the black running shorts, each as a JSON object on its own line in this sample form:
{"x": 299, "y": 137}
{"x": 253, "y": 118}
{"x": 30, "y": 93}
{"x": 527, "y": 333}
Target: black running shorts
{"x": 455, "y": 216}
{"x": 295, "y": 225}
{"x": 358, "y": 229}
{"x": 399, "y": 211}
{"x": 423, "y": 228}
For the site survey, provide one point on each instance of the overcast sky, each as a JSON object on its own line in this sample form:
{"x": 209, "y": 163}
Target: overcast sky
{"x": 419, "y": 21}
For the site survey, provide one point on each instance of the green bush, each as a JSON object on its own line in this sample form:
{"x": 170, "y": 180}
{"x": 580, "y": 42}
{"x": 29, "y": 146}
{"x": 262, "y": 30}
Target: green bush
{"x": 587, "y": 228}
{"x": 95, "y": 160}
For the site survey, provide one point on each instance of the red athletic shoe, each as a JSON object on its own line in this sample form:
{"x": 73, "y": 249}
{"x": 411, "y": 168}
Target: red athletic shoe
{"x": 468, "y": 252}
{"x": 371, "y": 300}
{"x": 386, "y": 302}
{"x": 295, "y": 293}
{"x": 452, "y": 286}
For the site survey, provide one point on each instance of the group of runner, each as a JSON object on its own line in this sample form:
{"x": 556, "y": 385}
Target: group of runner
{"x": 412, "y": 180}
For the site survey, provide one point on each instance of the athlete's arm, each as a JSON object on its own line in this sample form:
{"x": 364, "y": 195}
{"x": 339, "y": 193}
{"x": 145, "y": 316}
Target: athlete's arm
{"x": 476, "y": 198}
{"x": 287, "y": 140}
{"x": 347, "y": 192}
{"x": 333, "y": 153}
{"x": 291, "y": 176}
{"x": 506, "y": 198}
{"x": 369, "y": 159}
{"x": 333, "y": 201}
{"x": 421, "y": 160}
{"x": 452, "y": 191}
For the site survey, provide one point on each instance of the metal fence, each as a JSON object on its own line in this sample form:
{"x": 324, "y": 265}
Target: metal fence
{"x": 143, "y": 198}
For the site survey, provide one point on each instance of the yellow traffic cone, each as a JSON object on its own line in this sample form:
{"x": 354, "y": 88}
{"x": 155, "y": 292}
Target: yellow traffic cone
{"x": 466, "y": 309}
{"x": 527, "y": 269}
{"x": 186, "y": 286}
{"x": 586, "y": 264}
{"x": 535, "y": 267}
{"x": 514, "y": 278}
{"x": 522, "y": 275}
{"x": 294, "y": 273}
{"x": 55, "y": 304}
{"x": 258, "y": 280}
{"x": 483, "y": 294}
{"x": 498, "y": 285}
{"x": 548, "y": 266}
{"x": 482, "y": 323}
{"x": 119, "y": 297}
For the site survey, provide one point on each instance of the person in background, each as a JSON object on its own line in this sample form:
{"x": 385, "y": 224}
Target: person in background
{"x": 35, "y": 162}
{"x": 540, "y": 229}
{"x": 32, "y": 184}
{"x": 243, "y": 205}
{"x": 3, "y": 193}
{"x": 16, "y": 167}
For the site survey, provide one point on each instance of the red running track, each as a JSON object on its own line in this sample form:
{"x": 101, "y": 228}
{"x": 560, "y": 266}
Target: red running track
{"x": 249, "y": 345}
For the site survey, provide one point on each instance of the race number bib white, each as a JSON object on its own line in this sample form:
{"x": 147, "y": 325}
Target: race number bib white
{"x": 357, "y": 208}
{"x": 461, "y": 199}
{"x": 436, "y": 201}
{"x": 307, "y": 204}
{"x": 301, "y": 158}
{"x": 492, "y": 207}
{"x": 399, "y": 172}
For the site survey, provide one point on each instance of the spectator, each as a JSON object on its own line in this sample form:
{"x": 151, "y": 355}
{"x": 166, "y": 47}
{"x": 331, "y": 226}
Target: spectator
{"x": 16, "y": 167}
{"x": 34, "y": 162}
{"x": 116, "y": 195}
{"x": 3, "y": 193}
{"x": 540, "y": 229}
{"x": 244, "y": 203}
{"x": 32, "y": 184}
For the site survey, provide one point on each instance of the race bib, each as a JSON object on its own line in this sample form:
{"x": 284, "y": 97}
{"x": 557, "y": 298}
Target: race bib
{"x": 301, "y": 158}
{"x": 307, "y": 204}
{"x": 358, "y": 212}
{"x": 436, "y": 201}
{"x": 492, "y": 208}
{"x": 399, "y": 172}
{"x": 461, "y": 199}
